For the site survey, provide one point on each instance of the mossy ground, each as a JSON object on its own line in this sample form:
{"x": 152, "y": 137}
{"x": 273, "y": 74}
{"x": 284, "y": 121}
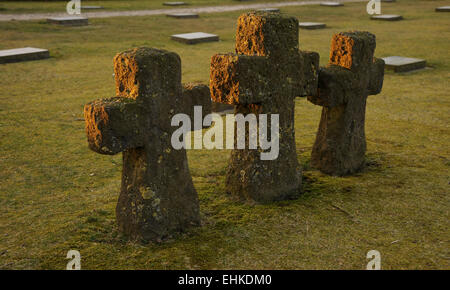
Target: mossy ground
{"x": 57, "y": 195}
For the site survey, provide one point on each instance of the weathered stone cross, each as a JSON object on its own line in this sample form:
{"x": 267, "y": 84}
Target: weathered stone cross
{"x": 352, "y": 74}
{"x": 264, "y": 76}
{"x": 157, "y": 195}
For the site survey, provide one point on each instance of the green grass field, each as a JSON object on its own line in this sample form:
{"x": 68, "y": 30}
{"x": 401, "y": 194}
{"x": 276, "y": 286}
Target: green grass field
{"x": 57, "y": 195}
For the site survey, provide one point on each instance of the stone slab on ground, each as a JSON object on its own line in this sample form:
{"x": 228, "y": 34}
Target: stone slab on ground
{"x": 331, "y": 4}
{"x": 89, "y": 7}
{"x": 182, "y": 15}
{"x": 387, "y": 17}
{"x": 443, "y": 9}
{"x": 269, "y": 10}
{"x": 311, "y": 25}
{"x": 403, "y": 64}
{"x": 23, "y": 54}
{"x": 177, "y": 3}
{"x": 69, "y": 21}
{"x": 195, "y": 37}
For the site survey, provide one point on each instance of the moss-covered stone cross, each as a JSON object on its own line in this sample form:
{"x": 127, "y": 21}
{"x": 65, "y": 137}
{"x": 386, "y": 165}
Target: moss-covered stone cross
{"x": 351, "y": 75}
{"x": 264, "y": 76}
{"x": 157, "y": 196}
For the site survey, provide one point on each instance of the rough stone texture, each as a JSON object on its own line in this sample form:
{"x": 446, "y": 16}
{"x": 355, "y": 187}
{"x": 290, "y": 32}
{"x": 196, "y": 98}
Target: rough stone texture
{"x": 196, "y": 95}
{"x": 404, "y": 64}
{"x": 352, "y": 74}
{"x": 23, "y": 54}
{"x": 264, "y": 76}
{"x": 69, "y": 21}
{"x": 157, "y": 196}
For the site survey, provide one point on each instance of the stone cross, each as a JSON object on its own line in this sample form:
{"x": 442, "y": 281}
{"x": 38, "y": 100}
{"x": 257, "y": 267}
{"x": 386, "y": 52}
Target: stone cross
{"x": 157, "y": 196}
{"x": 352, "y": 74}
{"x": 264, "y": 76}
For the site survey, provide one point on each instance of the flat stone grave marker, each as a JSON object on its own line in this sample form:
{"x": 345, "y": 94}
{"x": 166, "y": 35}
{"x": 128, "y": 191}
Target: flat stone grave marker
{"x": 389, "y": 1}
{"x": 92, "y": 7}
{"x": 387, "y": 17}
{"x": 443, "y": 9}
{"x": 179, "y": 3}
{"x": 331, "y": 4}
{"x": 311, "y": 25}
{"x": 69, "y": 21}
{"x": 403, "y": 64}
{"x": 195, "y": 37}
{"x": 23, "y": 54}
{"x": 269, "y": 10}
{"x": 182, "y": 15}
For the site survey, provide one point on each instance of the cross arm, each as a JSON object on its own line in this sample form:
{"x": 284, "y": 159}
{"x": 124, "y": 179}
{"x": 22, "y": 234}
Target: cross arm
{"x": 114, "y": 125}
{"x": 376, "y": 76}
{"x": 239, "y": 79}
{"x": 335, "y": 84}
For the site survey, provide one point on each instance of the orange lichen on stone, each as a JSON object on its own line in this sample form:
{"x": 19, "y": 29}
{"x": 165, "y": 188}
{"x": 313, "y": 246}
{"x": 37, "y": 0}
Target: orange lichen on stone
{"x": 95, "y": 117}
{"x": 112, "y": 125}
{"x": 250, "y": 36}
{"x": 353, "y": 50}
{"x": 266, "y": 34}
{"x": 125, "y": 70}
{"x": 223, "y": 87}
{"x": 341, "y": 51}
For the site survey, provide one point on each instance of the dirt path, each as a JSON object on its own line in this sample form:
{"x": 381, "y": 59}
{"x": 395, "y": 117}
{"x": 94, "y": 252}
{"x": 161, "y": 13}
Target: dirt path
{"x": 212, "y": 9}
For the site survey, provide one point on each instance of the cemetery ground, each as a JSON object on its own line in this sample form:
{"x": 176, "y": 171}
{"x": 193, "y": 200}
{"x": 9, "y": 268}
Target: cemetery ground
{"x": 57, "y": 195}
{"x": 27, "y": 7}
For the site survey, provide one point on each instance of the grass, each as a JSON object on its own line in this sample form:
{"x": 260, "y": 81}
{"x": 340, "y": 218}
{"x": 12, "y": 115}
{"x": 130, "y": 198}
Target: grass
{"x": 57, "y": 195}
{"x": 60, "y": 6}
